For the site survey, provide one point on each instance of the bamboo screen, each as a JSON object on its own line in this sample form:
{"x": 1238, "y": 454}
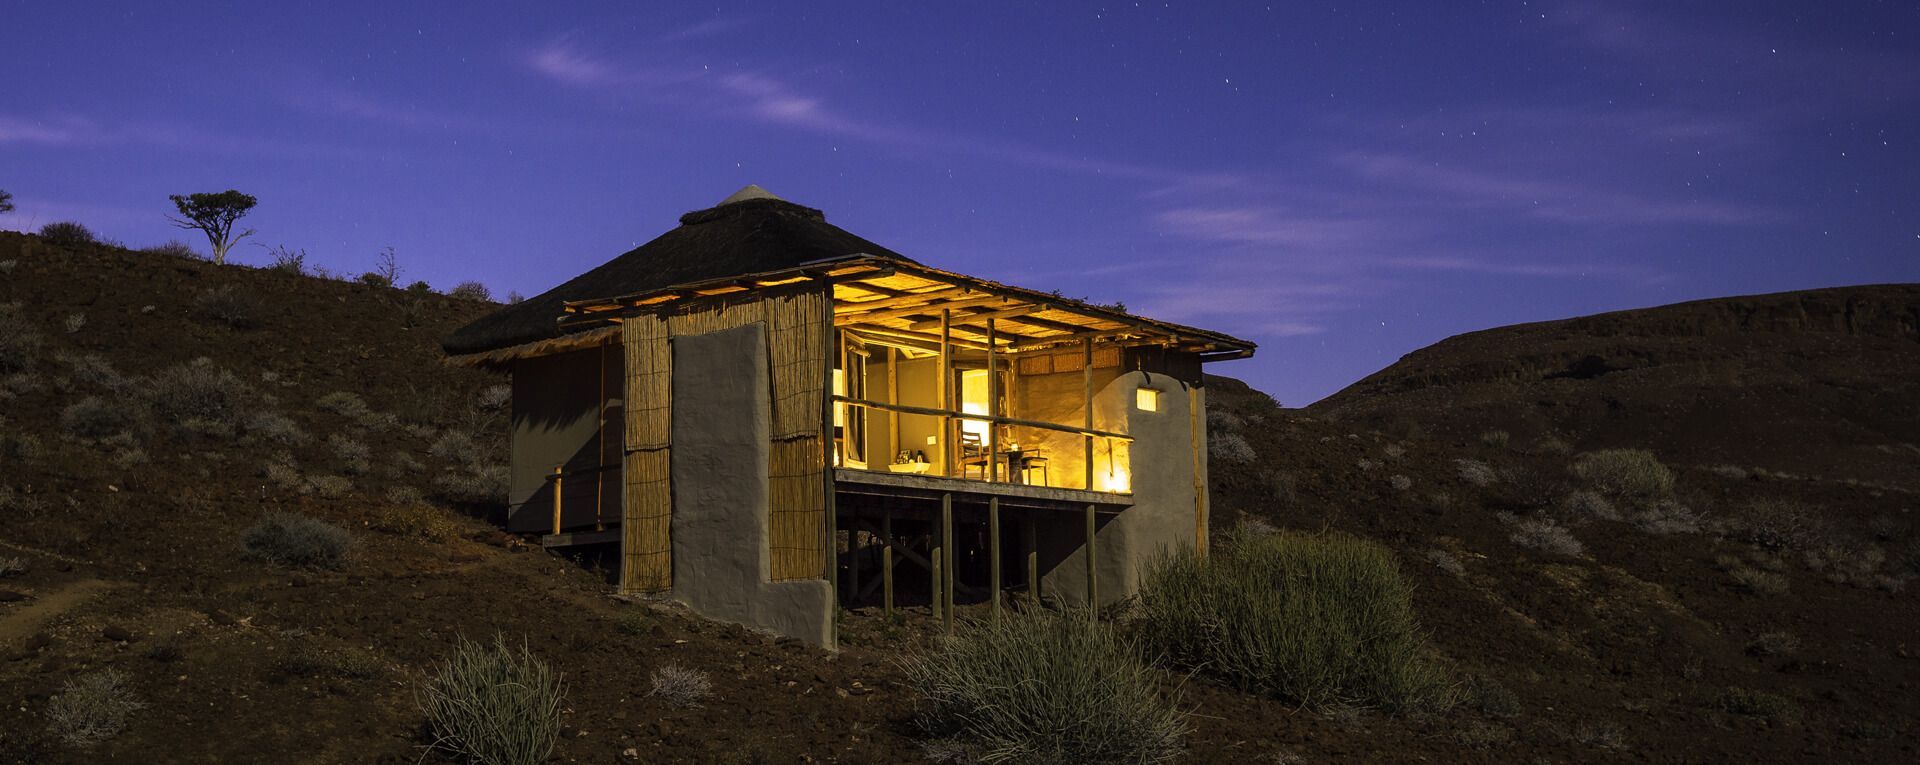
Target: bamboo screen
{"x": 798, "y": 330}
{"x": 647, "y": 544}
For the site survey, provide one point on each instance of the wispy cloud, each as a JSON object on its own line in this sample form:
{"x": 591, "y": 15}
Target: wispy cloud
{"x": 773, "y": 100}
{"x": 52, "y": 131}
{"x": 1573, "y": 203}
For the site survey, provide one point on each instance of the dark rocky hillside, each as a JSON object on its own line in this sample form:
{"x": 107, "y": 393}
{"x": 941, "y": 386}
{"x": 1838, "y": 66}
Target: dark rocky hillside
{"x": 154, "y": 409}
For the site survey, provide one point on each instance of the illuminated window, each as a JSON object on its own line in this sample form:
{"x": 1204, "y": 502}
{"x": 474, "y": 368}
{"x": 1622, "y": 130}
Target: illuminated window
{"x": 1146, "y": 400}
{"x": 973, "y": 400}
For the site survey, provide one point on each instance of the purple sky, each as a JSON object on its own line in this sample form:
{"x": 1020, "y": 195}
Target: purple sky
{"x": 1342, "y": 184}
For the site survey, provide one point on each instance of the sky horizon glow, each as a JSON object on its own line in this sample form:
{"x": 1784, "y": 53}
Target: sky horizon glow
{"x": 1342, "y": 184}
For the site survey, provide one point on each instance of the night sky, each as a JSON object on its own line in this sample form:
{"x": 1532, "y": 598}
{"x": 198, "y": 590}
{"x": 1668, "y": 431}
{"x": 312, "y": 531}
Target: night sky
{"x": 1341, "y": 183}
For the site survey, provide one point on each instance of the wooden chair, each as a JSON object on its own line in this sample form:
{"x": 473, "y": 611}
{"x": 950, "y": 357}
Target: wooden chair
{"x": 973, "y": 454}
{"x": 1032, "y": 462}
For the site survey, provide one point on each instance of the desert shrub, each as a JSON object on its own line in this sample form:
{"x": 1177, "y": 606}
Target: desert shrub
{"x": 174, "y": 248}
{"x": 680, "y": 686}
{"x": 1633, "y": 475}
{"x": 1489, "y": 697}
{"x": 75, "y": 322}
{"x": 1587, "y": 505}
{"x": 93, "y": 370}
{"x": 1229, "y": 448}
{"x": 92, "y": 708}
{"x": 414, "y": 519}
{"x": 495, "y": 397}
{"x": 1545, "y": 535}
{"x": 296, "y": 540}
{"x": 1322, "y": 620}
{"x": 227, "y": 306}
{"x": 355, "y": 457}
{"x": 485, "y": 484}
{"x": 1497, "y": 439}
{"x": 1446, "y": 561}
{"x": 1399, "y": 482}
{"x": 14, "y": 503}
{"x": 1743, "y": 701}
{"x": 1224, "y": 420}
{"x": 19, "y": 340}
{"x": 93, "y": 417}
{"x": 494, "y": 705}
{"x": 19, "y": 447}
{"x": 458, "y": 447}
{"x": 276, "y": 428}
{"x": 515, "y": 298}
{"x": 1477, "y": 734}
{"x": 471, "y": 291}
{"x": 13, "y": 566}
{"x": 1773, "y": 644}
{"x": 312, "y": 661}
{"x": 67, "y": 233}
{"x": 1043, "y": 687}
{"x": 633, "y": 622}
{"x": 1600, "y": 735}
{"x": 344, "y": 404}
{"x": 1667, "y": 517}
{"x": 288, "y": 260}
{"x": 1758, "y": 582}
{"x": 1778, "y": 524}
{"x": 1475, "y": 472}
{"x": 197, "y": 392}
{"x": 329, "y": 486}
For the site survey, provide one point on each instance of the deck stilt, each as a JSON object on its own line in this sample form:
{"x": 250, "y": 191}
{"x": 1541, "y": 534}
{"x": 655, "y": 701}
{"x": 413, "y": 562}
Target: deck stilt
{"x": 993, "y": 552}
{"x": 1093, "y": 570}
{"x": 886, "y": 559}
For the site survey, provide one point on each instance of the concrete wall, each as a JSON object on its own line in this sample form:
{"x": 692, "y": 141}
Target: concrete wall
{"x": 721, "y": 430}
{"x": 556, "y": 421}
{"x": 1163, "y": 514}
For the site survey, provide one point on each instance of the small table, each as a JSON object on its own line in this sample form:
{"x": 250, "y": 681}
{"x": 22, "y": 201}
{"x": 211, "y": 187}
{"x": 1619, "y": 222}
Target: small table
{"x": 1016, "y": 461}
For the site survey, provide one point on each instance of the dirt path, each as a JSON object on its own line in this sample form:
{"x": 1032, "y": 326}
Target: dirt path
{"x": 25, "y": 621}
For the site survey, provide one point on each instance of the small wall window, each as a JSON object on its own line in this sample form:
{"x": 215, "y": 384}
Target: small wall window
{"x": 1146, "y": 399}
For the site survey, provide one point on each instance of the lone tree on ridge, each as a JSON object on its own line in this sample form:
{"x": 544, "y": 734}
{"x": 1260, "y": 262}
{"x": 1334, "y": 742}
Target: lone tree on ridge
{"x": 213, "y": 215}
{"x": 6, "y": 202}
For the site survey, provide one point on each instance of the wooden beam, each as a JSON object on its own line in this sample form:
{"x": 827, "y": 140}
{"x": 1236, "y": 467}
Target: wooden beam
{"x": 993, "y": 410}
{"x": 985, "y": 316}
{"x": 932, "y": 412}
{"x": 932, "y": 342}
{"x": 909, "y": 303}
{"x": 936, "y": 580}
{"x": 931, "y": 308}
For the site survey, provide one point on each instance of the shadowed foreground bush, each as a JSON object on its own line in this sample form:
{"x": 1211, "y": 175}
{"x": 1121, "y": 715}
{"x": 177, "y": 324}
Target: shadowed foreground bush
{"x": 296, "y": 540}
{"x": 92, "y": 708}
{"x": 494, "y": 705}
{"x": 1321, "y": 620}
{"x": 1039, "y": 687}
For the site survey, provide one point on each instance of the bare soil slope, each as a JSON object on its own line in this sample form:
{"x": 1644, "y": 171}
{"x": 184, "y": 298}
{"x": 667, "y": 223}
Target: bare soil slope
{"x": 129, "y": 525}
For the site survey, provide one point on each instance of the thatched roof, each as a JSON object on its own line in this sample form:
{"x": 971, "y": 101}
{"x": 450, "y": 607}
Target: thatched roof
{"x": 751, "y": 232}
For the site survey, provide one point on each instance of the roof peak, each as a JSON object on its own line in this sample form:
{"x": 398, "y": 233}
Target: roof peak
{"x": 749, "y": 191}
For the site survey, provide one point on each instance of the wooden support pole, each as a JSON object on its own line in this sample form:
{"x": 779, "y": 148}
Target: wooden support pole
{"x": 953, "y": 559}
{"x": 993, "y": 429}
{"x": 945, "y": 386}
{"x": 893, "y": 397}
{"x": 1033, "y": 557}
{"x": 1093, "y": 571}
{"x": 1199, "y": 447}
{"x": 558, "y": 477}
{"x": 853, "y": 559}
{"x": 1086, "y": 393}
{"x": 886, "y": 559}
{"x": 937, "y": 573}
{"x": 993, "y": 552}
